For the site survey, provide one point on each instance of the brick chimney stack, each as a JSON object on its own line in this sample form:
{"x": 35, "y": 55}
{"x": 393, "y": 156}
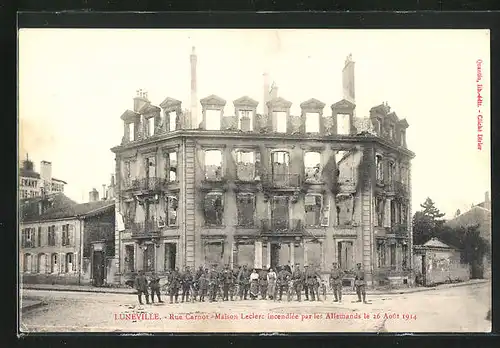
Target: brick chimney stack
{"x": 348, "y": 80}
{"x": 93, "y": 195}
{"x": 267, "y": 95}
{"x": 140, "y": 99}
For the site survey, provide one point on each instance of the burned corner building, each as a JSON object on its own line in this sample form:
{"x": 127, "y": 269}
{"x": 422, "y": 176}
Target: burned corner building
{"x": 263, "y": 189}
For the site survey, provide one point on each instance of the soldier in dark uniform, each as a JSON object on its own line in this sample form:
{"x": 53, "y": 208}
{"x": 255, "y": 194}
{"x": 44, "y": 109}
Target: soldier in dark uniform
{"x": 227, "y": 280}
{"x": 335, "y": 281}
{"x": 213, "y": 284}
{"x": 196, "y": 283}
{"x": 298, "y": 279}
{"x": 309, "y": 283}
{"x": 175, "y": 282}
{"x": 141, "y": 285}
{"x": 187, "y": 283}
{"x": 233, "y": 286}
{"x": 283, "y": 278}
{"x": 203, "y": 285}
{"x": 244, "y": 282}
{"x": 360, "y": 284}
{"x": 263, "y": 283}
{"x": 154, "y": 284}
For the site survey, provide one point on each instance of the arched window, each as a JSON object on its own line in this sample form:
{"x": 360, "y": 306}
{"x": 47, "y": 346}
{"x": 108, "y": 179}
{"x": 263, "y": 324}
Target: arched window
{"x": 54, "y": 263}
{"x": 42, "y": 263}
{"x": 70, "y": 263}
{"x": 27, "y": 263}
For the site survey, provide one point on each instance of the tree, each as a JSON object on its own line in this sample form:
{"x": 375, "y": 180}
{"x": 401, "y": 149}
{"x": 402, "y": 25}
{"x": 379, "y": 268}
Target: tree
{"x": 427, "y": 223}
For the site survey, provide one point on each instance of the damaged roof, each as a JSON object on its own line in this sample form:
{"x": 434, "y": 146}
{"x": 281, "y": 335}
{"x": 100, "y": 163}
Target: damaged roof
{"x": 60, "y": 207}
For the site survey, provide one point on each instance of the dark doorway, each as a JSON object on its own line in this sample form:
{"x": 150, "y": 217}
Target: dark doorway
{"x": 424, "y": 270}
{"x": 345, "y": 255}
{"x": 280, "y": 213}
{"x": 98, "y": 268}
{"x": 170, "y": 255}
{"x": 275, "y": 255}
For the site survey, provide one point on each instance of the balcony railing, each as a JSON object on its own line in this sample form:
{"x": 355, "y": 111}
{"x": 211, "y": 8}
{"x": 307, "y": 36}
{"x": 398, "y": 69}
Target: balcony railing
{"x": 282, "y": 226}
{"x": 145, "y": 229}
{"x": 144, "y": 184}
{"x": 282, "y": 180}
{"x": 399, "y": 229}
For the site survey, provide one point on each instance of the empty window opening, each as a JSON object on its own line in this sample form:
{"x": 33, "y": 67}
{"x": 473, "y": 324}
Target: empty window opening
{"x": 343, "y": 124}
{"x": 172, "y": 121}
{"x": 149, "y": 258}
{"x": 151, "y": 126}
{"x": 54, "y": 263}
{"x": 131, "y": 131}
{"x": 313, "y": 208}
{"x": 213, "y": 119}
{"x": 345, "y": 255}
{"x": 281, "y": 121}
{"x": 380, "y": 168}
{"x": 213, "y": 165}
{"x": 312, "y": 164}
{"x": 171, "y": 166}
{"x": 245, "y": 165}
{"x": 70, "y": 263}
{"x": 246, "y": 209}
{"x": 172, "y": 206}
{"x": 170, "y": 256}
{"x": 214, "y": 253}
{"x": 129, "y": 258}
{"x": 312, "y": 122}
{"x": 214, "y": 209}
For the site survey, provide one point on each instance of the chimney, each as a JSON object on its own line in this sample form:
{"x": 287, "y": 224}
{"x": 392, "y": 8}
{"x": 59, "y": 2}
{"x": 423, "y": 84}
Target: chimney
{"x": 140, "y": 99}
{"x": 274, "y": 91}
{"x": 46, "y": 174}
{"x": 104, "y": 195}
{"x": 192, "y": 121}
{"x": 93, "y": 195}
{"x": 267, "y": 91}
{"x": 348, "y": 79}
{"x": 487, "y": 197}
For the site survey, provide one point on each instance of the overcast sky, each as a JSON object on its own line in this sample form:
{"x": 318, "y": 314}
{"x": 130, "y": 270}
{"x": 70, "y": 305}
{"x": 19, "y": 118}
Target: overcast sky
{"x": 75, "y": 84}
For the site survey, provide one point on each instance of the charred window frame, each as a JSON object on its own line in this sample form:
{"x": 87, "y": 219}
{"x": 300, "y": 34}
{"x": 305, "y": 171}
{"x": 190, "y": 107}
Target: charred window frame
{"x": 379, "y": 164}
{"x": 39, "y": 237}
{"x": 313, "y": 209}
{"x": 214, "y": 208}
{"x": 171, "y": 166}
{"x": 245, "y": 165}
{"x": 312, "y": 122}
{"x": 213, "y": 164}
{"x": 129, "y": 258}
{"x": 246, "y": 209}
{"x": 172, "y": 210}
{"x": 312, "y": 166}
{"x": 381, "y": 253}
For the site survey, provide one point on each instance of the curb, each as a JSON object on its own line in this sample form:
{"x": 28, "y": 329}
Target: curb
{"x": 393, "y": 292}
{"x": 32, "y": 306}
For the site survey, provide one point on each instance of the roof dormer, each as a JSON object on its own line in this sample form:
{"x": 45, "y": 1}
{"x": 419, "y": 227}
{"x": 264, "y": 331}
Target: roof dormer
{"x": 212, "y": 112}
{"x": 245, "y": 109}
{"x": 279, "y": 115}
{"x": 172, "y": 112}
{"x": 311, "y": 115}
{"x": 343, "y": 117}
{"x": 131, "y": 123}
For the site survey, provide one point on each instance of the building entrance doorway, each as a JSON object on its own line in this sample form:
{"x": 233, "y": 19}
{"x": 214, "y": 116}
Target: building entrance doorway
{"x": 98, "y": 268}
{"x": 345, "y": 255}
{"x": 275, "y": 255}
{"x": 170, "y": 255}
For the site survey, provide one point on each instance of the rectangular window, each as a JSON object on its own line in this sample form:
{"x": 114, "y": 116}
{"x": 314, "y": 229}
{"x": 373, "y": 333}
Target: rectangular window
{"x": 391, "y": 171}
{"x": 280, "y": 213}
{"x": 393, "y": 256}
{"x": 313, "y": 209}
{"x": 151, "y": 167}
{"x": 65, "y": 235}
{"x": 131, "y": 131}
{"x": 343, "y": 124}
{"x": 404, "y": 251}
{"x": 245, "y": 120}
{"x": 172, "y": 206}
{"x": 127, "y": 169}
{"x": 281, "y": 121}
{"x": 312, "y": 122}
{"x": 246, "y": 209}
{"x": 150, "y": 126}
{"x": 214, "y": 209}
{"x": 213, "y": 119}
{"x": 52, "y": 236}
{"x": 171, "y": 166}
{"x": 170, "y": 256}
{"x": 213, "y": 165}
{"x": 380, "y": 168}
{"x": 172, "y": 121}
{"x": 149, "y": 258}
{"x": 129, "y": 258}
{"x": 39, "y": 237}
{"x": 381, "y": 254}
{"x": 312, "y": 165}
{"x": 245, "y": 165}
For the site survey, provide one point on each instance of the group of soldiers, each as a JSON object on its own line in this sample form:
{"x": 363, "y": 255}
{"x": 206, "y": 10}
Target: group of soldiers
{"x": 228, "y": 284}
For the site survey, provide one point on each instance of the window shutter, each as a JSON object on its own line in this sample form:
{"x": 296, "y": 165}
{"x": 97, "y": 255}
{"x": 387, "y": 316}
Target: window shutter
{"x": 71, "y": 235}
{"x": 325, "y": 212}
{"x": 47, "y": 263}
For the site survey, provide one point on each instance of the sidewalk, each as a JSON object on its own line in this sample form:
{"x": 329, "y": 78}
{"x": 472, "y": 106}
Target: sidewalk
{"x": 27, "y": 305}
{"x": 88, "y": 288}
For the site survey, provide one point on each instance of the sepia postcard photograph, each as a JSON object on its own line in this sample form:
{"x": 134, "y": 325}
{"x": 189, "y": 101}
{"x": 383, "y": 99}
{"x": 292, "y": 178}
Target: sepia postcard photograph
{"x": 254, "y": 181}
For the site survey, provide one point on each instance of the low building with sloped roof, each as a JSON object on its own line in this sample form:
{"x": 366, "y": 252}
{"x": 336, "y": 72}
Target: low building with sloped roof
{"x": 63, "y": 242}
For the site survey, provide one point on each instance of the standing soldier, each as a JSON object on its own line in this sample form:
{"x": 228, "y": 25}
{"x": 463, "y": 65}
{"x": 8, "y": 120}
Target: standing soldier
{"x": 187, "y": 283}
{"x": 154, "y": 284}
{"x": 263, "y": 283}
{"x": 203, "y": 285}
{"x": 360, "y": 284}
{"x": 227, "y": 280}
{"x": 283, "y": 278}
{"x": 298, "y": 278}
{"x": 233, "y": 287}
{"x": 317, "y": 283}
{"x": 335, "y": 280}
{"x": 174, "y": 281}
{"x": 196, "y": 283}
{"x": 213, "y": 284}
{"x": 141, "y": 285}
{"x": 309, "y": 283}
{"x": 244, "y": 282}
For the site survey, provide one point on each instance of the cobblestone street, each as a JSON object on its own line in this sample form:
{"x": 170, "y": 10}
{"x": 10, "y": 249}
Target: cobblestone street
{"x": 458, "y": 309}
